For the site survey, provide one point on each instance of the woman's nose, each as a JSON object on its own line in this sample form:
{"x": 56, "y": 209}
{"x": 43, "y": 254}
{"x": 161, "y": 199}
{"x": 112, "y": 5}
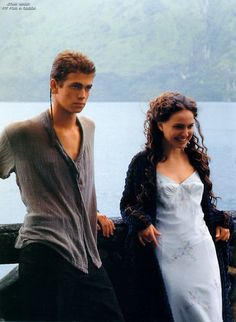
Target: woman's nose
{"x": 186, "y": 131}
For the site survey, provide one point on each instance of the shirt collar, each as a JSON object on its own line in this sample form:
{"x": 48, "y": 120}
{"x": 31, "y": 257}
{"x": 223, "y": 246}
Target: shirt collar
{"x": 48, "y": 125}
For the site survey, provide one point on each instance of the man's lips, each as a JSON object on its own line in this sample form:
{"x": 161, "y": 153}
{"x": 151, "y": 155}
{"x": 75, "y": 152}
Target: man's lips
{"x": 79, "y": 103}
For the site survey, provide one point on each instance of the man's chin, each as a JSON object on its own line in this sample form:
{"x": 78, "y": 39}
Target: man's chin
{"x": 77, "y": 108}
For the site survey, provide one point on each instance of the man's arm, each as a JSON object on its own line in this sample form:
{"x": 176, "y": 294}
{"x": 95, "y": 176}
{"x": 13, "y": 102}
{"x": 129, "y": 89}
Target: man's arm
{"x": 6, "y": 156}
{"x": 105, "y": 224}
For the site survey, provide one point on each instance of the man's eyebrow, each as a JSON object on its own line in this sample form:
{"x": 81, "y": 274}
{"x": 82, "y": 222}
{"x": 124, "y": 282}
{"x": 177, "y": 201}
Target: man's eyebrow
{"x": 76, "y": 83}
{"x": 80, "y": 84}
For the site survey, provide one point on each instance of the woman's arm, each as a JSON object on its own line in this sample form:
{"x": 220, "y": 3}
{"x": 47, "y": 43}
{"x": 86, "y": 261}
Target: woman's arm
{"x": 220, "y": 223}
{"x": 131, "y": 206}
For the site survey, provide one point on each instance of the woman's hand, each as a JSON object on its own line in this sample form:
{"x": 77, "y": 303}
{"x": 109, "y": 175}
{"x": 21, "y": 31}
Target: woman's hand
{"x": 148, "y": 235}
{"x": 105, "y": 224}
{"x": 222, "y": 233}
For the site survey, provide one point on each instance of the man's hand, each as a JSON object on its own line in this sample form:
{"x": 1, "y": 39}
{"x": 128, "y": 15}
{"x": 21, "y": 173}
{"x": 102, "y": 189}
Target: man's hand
{"x": 222, "y": 233}
{"x": 105, "y": 224}
{"x": 148, "y": 235}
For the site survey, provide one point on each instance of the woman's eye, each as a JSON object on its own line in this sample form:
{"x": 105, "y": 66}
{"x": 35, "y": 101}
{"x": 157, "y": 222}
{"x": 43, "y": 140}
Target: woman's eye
{"x": 179, "y": 126}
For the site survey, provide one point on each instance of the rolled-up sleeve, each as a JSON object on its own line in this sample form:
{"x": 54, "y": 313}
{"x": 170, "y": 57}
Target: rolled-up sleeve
{"x": 6, "y": 156}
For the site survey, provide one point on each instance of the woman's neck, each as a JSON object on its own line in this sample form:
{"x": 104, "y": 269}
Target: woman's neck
{"x": 175, "y": 154}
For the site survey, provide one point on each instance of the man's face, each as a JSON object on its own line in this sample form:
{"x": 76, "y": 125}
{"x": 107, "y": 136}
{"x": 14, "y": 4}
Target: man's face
{"x": 72, "y": 94}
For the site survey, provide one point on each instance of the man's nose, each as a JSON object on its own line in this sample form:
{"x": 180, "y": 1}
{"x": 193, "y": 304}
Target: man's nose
{"x": 82, "y": 92}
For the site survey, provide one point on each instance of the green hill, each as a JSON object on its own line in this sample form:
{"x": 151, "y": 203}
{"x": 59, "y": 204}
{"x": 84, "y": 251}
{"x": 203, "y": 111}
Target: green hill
{"x": 140, "y": 48}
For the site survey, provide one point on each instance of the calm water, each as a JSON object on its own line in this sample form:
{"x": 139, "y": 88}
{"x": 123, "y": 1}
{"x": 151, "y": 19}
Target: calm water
{"x": 119, "y": 135}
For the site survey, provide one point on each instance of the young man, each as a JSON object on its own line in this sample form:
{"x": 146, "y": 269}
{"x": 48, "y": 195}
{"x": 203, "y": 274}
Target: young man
{"x": 60, "y": 270}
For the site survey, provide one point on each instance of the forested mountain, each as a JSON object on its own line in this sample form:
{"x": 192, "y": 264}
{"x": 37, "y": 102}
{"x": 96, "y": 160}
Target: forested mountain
{"x": 140, "y": 48}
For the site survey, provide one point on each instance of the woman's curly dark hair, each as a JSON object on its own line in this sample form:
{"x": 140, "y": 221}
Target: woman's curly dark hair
{"x": 160, "y": 110}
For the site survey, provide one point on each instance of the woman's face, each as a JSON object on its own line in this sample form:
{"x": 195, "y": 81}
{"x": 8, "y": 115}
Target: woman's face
{"x": 178, "y": 130}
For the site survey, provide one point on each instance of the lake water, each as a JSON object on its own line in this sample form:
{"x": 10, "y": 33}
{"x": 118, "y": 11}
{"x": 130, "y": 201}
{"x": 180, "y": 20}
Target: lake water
{"x": 119, "y": 135}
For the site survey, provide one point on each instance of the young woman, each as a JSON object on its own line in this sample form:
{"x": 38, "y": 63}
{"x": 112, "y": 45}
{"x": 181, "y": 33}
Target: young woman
{"x": 178, "y": 240}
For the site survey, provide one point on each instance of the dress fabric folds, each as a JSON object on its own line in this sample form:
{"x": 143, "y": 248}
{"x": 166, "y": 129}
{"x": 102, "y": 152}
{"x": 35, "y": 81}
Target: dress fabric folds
{"x": 186, "y": 252}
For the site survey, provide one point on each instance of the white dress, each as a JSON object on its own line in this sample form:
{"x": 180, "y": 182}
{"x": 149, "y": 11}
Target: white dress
{"x": 186, "y": 252}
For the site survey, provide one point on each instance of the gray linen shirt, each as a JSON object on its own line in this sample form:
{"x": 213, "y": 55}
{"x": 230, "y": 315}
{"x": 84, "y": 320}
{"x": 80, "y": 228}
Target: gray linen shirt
{"x": 59, "y": 193}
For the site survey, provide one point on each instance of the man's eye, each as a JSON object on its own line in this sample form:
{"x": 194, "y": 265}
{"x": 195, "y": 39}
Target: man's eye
{"x": 76, "y": 86}
{"x": 87, "y": 88}
{"x": 79, "y": 87}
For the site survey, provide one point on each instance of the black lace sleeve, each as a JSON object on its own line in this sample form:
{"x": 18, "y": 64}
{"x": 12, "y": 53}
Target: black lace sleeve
{"x": 131, "y": 207}
{"x": 215, "y": 217}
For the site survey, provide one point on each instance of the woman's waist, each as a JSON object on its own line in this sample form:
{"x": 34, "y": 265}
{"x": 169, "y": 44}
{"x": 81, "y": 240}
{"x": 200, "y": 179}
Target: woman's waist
{"x": 181, "y": 233}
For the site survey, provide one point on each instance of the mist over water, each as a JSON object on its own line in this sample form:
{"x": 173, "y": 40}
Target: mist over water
{"x": 118, "y": 136}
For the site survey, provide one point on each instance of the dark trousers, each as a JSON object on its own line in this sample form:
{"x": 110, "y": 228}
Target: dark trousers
{"x": 53, "y": 290}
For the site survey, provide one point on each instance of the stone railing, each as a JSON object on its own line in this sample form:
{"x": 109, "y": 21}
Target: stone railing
{"x": 112, "y": 254}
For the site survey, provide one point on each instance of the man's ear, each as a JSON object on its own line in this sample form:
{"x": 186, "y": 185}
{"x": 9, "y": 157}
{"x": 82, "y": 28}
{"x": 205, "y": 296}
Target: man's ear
{"x": 160, "y": 126}
{"x": 53, "y": 86}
